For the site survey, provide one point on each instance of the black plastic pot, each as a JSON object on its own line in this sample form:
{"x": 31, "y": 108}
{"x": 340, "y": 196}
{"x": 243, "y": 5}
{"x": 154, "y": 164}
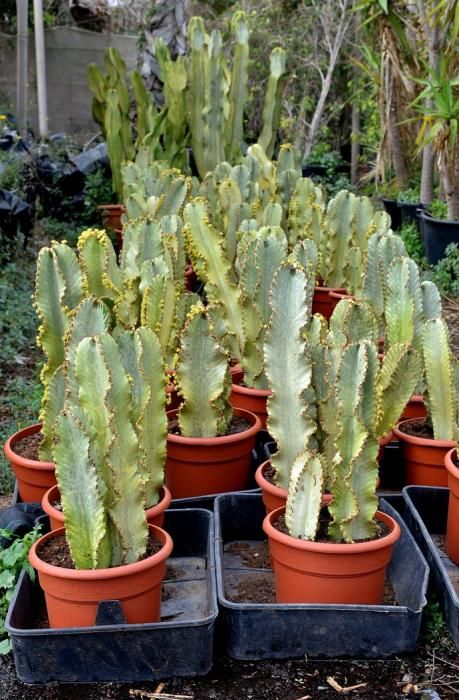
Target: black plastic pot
{"x": 275, "y": 631}
{"x": 410, "y": 212}
{"x": 426, "y": 515}
{"x": 391, "y": 207}
{"x": 180, "y": 645}
{"x": 437, "y": 234}
{"x": 310, "y": 170}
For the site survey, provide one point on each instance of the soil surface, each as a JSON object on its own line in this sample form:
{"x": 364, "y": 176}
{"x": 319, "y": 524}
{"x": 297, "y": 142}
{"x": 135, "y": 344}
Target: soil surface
{"x": 237, "y": 425}
{"x": 56, "y": 551}
{"x": 28, "y": 446}
{"x": 417, "y": 428}
{"x": 300, "y": 679}
{"x": 322, "y": 533}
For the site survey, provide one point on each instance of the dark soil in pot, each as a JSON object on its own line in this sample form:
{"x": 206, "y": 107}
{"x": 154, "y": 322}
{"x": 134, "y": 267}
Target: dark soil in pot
{"x": 28, "y": 446}
{"x": 418, "y": 428}
{"x": 237, "y": 425}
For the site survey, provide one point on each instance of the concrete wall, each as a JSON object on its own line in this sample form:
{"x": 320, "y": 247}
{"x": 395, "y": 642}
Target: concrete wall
{"x": 68, "y": 52}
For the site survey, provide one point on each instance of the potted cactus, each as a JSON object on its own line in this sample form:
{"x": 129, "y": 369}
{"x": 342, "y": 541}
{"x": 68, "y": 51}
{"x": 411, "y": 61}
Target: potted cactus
{"x": 338, "y": 553}
{"x": 209, "y": 445}
{"x": 109, "y": 433}
{"x": 426, "y": 442}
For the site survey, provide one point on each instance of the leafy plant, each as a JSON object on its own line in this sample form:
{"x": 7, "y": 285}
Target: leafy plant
{"x": 409, "y": 233}
{"x": 445, "y": 274}
{"x": 410, "y": 195}
{"x": 438, "y": 209}
{"x": 12, "y": 560}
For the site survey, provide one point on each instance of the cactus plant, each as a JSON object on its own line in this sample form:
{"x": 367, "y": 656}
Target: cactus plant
{"x": 367, "y": 400}
{"x": 203, "y": 378}
{"x": 103, "y": 441}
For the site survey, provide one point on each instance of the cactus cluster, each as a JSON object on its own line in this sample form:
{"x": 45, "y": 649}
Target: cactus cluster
{"x": 109, "y": 445}
{"x": 161, "y": 131}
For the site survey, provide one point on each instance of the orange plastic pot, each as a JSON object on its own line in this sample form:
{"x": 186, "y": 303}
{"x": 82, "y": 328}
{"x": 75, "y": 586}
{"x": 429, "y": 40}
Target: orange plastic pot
{"x": 253, "y": 400}
{"x": 323, "y": 303}
{"x": 415, "y": 408}
{"x": 199, "y": 466}
{"x": 424, "y": 458}
{"x": 190, "y": 278}
{"x": 111, "y": 215}
{"x": 317, "y": 572}
{"x": 155, "y": 514}
{"x": 452, "y": 524}
{"x": 34, "y": 478}
{"x": 273, "y": 496}
{"x": 72, "y": 595}
{"x": 237, "y": 374}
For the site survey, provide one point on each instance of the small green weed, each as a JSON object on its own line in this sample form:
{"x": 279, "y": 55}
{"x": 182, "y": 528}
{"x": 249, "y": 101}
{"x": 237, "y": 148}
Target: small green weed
{"x": 438, "y": 209}
{"x": 12, "y": 560}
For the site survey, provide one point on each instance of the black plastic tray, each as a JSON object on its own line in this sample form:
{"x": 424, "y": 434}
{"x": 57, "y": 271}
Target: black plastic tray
{"x": 426, "y": 515}
{"x": 276, "y": 631}
{"x": 180, "y": 645}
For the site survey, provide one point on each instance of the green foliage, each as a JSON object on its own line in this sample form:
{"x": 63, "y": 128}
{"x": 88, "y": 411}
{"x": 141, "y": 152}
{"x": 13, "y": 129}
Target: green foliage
{"x": 438, "y": 209}
{"x": 410, "y": 195}
{"x": 410, "y": 235}
{"x": 20, "y": 392}
{"x": 12, "y": 560}
{"x": 97, "y": 190}
{"x": 445, "y": 274}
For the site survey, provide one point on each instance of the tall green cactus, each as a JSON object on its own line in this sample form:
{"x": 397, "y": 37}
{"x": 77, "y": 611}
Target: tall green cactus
{"x": 239, "y": 82}
{"x": 272, "y": 105}
{"x": 441, "y": 380}
{"x": 203, "y": 378}
{"x": 291, "y": 407}
{"x": 367, "y": 400}
{"x": 107, "y": 437}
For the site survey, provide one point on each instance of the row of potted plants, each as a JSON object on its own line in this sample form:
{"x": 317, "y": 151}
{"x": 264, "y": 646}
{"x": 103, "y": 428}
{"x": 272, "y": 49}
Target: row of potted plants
{"x": 110, "y": 330}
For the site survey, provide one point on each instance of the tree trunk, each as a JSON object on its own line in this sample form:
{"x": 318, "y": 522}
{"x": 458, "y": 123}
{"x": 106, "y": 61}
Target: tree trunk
{"x": 427, "y": 175}
{"x": 355, "y": 117}
{"x": 396, "y": 148}
{"x": 451, "y": 187}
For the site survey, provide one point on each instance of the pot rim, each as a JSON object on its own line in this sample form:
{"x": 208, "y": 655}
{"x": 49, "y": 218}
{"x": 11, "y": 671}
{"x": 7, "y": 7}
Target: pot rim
{"x": 422, "y": 442}
{"x": 449, "y": 464}
{"x": 259, "y": 393}
{"x": 221, "y": 439}
{"x": 165, "y": 497}
{"x": 338, "y": 294}
{"x": 266, "y": 485}
{"x": 13, "y": 456}
{"x": 112, "y": 207}
{"x": 344, "y": 548}
{"x": 100, "y": 574}
{"x": 337, "y": 290}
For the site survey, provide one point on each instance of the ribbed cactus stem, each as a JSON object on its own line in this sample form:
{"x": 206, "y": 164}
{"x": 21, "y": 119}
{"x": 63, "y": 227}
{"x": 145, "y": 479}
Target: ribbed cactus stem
{"x": 291, "y": 407}
{"x": 203, "y": 377}
{"x": 440, "y": 371}
{"x": 239, "y": 81}
{"x": 273, "y": 101}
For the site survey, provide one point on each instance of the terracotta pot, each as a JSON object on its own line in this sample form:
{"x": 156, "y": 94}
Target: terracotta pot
{"x": 253, "y": 400}
{"x": 199, "y": 466}
{"x": 190, "y": 278}
{"x": 155, "y": 514}
{"x": 317, "y": 572}
{"x": 382, "y": 444}
{"x": 111, "y": 215}
{"x": 323, "y": 303}
{"x": 119, "y": 239}
{"x": 339, "y": 295}
{"x": 415, "y": 408}
{"x": 72, "y": 595}
{"x": 34, "y": 478}
{"x": 237, "y": 374}
{"x": 424, "y": 458}
{"x": 452, "y": 525}
{"x": 275, "y": 496}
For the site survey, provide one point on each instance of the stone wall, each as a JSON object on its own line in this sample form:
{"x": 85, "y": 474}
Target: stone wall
{"x": 68, "y": 52}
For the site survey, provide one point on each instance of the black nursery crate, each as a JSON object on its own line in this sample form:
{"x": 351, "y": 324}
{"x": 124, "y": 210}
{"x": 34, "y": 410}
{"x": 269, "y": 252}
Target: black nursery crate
{"x": 274, "y": 631}
{"x": 426, "y": 515}
{"x": 181, "y": 644}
